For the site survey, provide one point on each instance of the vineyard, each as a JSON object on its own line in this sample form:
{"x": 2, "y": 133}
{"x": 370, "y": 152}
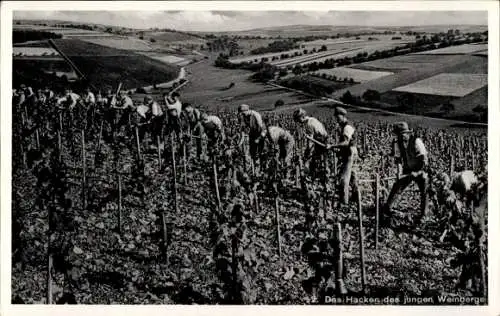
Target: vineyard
{"x": 102, "y": 217}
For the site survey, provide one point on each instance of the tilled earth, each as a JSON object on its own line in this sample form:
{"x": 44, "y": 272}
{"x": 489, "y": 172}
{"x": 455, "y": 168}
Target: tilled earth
{"x": 128, "y": 267}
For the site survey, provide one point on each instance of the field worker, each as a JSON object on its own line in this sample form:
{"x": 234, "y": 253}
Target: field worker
{"x": 69, "y": 100}
{"x": 174, "y": 111}
{"x": 414, "y": 160}
{"x": 30, "y": 100}
{"x": 462, "y": 183}
{"x": 212, "y": 126}
{"x": 89, "y": 98}
{"x": 192, "y": 118}
{"x": 283, "y": 142}
{"x": 124, "y": 107}
{"x": 41, "y": 97}
{"x": 144, "y": 116}
{"x": 49, "y": 94}
{"x": 256, "y": 130}
{"x": 347, "y": 153}
{"x": 316, "y": 130}
{"x": 157, "y": 118}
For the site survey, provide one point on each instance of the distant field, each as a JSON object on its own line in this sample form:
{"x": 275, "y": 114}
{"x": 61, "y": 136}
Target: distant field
{"x": 108, "y": 66}
{"x": 411, "y": 68}
{"x": 482, "y": 53}
{"x": 131, "y": 43}
{"x": 344, "y": 50}
{"x": 408, "y": 62}
{"x": 357, "y": 75}
{"x": 362, "y": 41}
{"x": 447, "y": 84}
{"x": 170, "y": 59}
{"x": 34, "y": 51}
{"x": 171, "y": 36}
{"x": 459, "y": 49}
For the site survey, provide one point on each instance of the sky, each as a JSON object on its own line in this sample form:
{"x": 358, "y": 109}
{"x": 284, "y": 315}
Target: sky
{"x": 216, "y": 21}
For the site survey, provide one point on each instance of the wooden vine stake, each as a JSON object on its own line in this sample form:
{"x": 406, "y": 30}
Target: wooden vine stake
{"x": 361, "y": 241}
{"x": 60, "y": 121}
{"x": 138, "y": 144}
{"x": 98, "y": 149}
{"x": 120, "y": 215}
{"x": 278, "y": 228}
{"x": 49, "y": 275}
{"x": 174, "y": 171}
{"x": 59, "y": 145}
{"x": 377, "y": 208}
{"x": 159, "y": 151}
{"x": 84, "y": 180}
{"x": 216, "y": 184}
{"x": 184, "y": 162}
{"x": 339, "y": 261}
{"x": 37, "y": 139}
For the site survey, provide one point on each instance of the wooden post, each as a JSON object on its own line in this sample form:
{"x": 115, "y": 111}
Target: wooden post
{"x": 49, "y": 275}
{"x": 297, "y": 176}
{"x": 120, "y": 217}
{"x": 174, "y": 171}
{"x": 165, "y": 236}
{"x": 184, "y": 162}
{"x": 59, "y": 144}
{"x": 159, "y": 151}
{"x": 84, "y": 200}
{"x": 377, "y": 207}
{"x": 277, "y": 211}
{"x": 60, "y": 121}
{"x": 244, "y": 156}
{"x": 37, "y": 138}
{"x": 216, "y": 184}
{"x": 138, "y": 144}
{"x": 339, "y": 262}
{"x": 23, "y": 154}
{"x": 361, "y": 241}
{"x": 253, "y": 166}
{"x": 452, "y": 164}
{"x": 473, "y": 161}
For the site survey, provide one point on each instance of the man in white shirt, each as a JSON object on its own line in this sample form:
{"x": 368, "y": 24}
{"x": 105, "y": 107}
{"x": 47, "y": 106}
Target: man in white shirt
{"x": 157, "y": 118}
{"x": 462, "y": 183}
{"x": 174, "y": 111}
{"x": 89, "y": 98}
{"x": 347, "y": 153}
{"x": 414, "y": 159}
{"x": 316, "y": 130}
{"x": 144, "y": 115}
{"x": 69, "y": 101}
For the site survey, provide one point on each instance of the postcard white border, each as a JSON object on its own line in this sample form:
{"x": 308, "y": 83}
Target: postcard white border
{"x": 7, "y": 7}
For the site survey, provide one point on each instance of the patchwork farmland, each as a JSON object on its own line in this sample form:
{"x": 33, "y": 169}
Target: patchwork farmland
{"x": 358, "y": 75}
{"x": 446, "y": 84}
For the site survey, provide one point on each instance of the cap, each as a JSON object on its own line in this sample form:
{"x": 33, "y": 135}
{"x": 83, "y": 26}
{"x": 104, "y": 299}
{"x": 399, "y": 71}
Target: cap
{"x": 401, "y": 127}
{"x": 340, "y": 111}
{"x": 243, "y": 108}
{"x": 148, "y": 97}
{"x": 298, "y": 114}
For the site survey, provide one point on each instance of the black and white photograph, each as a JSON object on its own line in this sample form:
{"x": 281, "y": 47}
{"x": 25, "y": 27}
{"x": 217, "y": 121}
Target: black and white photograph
{"x": 248, "y": 157}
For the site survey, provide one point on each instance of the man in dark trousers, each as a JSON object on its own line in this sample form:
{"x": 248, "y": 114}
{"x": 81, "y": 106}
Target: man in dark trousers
{"x": 414, "y": 159}
{"x": 347, "y": 152}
